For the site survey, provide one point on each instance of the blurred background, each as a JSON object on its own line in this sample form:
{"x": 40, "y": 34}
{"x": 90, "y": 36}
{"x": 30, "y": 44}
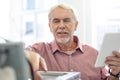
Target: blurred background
{"x": 27, "y": 20}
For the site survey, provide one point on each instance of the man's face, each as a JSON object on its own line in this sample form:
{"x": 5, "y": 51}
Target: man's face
{"x": 62, "y": 25}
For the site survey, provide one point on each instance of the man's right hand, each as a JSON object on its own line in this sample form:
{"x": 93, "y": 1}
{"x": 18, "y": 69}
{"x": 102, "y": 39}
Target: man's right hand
{"x": 36, "y": 61}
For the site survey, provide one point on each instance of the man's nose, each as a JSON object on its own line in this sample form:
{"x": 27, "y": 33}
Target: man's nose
{"x": 62, "y": 25}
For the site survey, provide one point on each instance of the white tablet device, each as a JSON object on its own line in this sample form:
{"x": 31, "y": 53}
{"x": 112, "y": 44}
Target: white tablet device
{"x": 59, "y": 75}
{"x": 111, "y": 42}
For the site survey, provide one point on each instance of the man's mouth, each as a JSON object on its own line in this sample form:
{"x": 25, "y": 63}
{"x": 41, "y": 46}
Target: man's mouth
{"x": 62, "y": 32}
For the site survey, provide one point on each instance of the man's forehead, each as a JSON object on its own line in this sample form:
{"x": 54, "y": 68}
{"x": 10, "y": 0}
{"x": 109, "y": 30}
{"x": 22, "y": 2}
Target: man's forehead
{"x": 60, "y": 13}
{"x": 61, "y": 16}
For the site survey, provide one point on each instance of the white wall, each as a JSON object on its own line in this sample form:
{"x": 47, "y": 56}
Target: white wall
{"x": 4, "y": 17}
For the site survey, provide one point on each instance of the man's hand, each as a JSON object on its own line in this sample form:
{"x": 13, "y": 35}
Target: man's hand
{"x": 36, "y": 61}
{"x": 114, "y": 62}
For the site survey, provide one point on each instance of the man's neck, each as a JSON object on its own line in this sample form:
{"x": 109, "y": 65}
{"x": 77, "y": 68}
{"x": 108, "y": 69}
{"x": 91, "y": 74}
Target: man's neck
{"x": 70, "y": 46}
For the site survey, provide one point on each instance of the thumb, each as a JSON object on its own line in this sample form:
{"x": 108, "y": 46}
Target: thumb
{"x": 43, "y": 64}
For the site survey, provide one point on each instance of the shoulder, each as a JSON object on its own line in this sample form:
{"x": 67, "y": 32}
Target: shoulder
{"x": 39, "y": 46}
{"x": 88, "y": 48}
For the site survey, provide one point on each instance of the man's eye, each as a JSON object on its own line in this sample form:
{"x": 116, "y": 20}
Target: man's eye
{"x": 67, "y": 20}
{"x": 56, "y": 21}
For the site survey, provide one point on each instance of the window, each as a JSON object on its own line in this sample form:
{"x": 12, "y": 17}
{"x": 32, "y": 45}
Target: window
{"x": 30, "y": 4}
{"x": 106, "y": 19}
{"x": 29, "y": 28}
{"x": 34, "y": 21}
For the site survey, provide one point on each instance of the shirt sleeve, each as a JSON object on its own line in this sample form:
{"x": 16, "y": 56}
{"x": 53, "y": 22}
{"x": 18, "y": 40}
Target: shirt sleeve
{"x": 105, "y": 73}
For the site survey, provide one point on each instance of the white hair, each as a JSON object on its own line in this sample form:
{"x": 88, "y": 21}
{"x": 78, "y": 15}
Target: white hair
{"x": 63, "y": 7}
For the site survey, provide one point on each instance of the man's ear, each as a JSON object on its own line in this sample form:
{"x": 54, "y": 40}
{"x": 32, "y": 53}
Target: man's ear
{"x": 76, "y": 25}
{"x": 50, "y": 27}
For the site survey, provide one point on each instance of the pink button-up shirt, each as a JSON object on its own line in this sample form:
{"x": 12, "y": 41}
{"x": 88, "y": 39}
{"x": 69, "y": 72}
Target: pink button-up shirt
{"x": 81, "y": 60}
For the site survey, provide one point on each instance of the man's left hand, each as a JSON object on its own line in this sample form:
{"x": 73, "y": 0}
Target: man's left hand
{"x": 114, "y": 62}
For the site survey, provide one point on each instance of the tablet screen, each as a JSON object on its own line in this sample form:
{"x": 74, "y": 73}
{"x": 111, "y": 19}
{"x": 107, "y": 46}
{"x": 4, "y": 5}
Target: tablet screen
{"x": 110, "y": 42}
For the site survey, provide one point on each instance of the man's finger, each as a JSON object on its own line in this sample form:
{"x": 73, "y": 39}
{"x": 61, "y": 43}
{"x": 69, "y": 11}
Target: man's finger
{"x": 43, "y": 64}
{"x": 116, "y": 53}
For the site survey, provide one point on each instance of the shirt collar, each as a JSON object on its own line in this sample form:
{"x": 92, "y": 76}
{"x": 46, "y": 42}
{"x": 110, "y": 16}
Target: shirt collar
{"x": 55, "y": 47}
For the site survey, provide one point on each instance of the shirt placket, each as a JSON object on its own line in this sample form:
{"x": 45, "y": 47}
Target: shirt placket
{"x": 70, "y": 63}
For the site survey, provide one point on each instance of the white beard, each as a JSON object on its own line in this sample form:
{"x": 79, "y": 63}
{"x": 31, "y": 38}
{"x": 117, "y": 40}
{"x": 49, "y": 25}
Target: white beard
{"x": 63, "y": 40}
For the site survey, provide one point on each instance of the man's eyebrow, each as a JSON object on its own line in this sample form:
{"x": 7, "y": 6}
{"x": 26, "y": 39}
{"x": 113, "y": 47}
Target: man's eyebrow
{"x": 60, "y": 19}
{"x": 55, "y": 19}
{"x": 66, "y": 18}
